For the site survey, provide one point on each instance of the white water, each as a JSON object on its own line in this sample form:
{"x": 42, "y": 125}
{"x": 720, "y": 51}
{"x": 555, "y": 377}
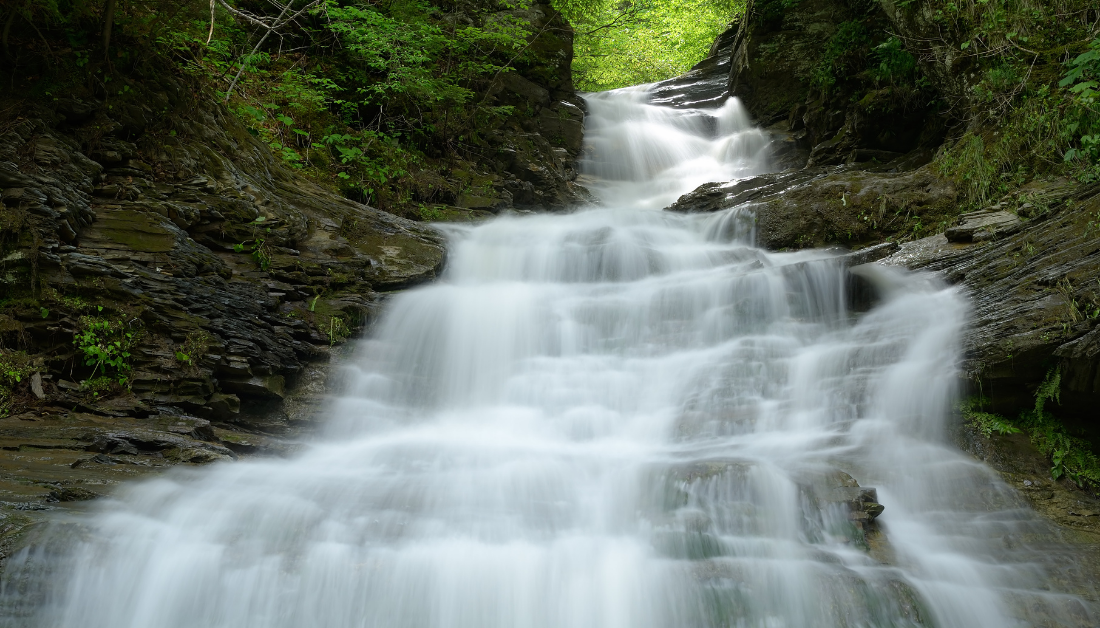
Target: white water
{"x": 608, "y": 419}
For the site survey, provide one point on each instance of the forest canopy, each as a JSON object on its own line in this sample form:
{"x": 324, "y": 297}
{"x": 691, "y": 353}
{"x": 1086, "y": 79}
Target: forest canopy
{"x": 629, "y": 42}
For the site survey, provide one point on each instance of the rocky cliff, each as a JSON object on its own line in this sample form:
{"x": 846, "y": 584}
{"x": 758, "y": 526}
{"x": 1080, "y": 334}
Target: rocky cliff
{"x": 171, "y": 290}
{"x": 877, "y": 104}
{"x": 529, "y": 160}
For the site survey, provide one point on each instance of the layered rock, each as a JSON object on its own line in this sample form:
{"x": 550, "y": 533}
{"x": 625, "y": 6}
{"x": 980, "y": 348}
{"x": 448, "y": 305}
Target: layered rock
{"x": 226, "y": 277}
{"x": 197, "y": 239}
{"x": 705, "y": 85}
{"x": 1035, "y": 299}
{"x": 825, "y": 206}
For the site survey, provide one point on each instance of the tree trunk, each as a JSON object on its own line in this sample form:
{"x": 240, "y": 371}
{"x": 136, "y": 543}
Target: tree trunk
{"x": 7, "y": 31}
{"x": 108, "y": 22}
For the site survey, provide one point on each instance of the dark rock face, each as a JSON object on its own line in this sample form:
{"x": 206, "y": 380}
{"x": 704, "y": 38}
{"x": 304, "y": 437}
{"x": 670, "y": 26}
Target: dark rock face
{"x": 705, "y": 85}
{"x": 775, "y": 55}
{"x": 986, "y": 224}
{"x": 534, "y": 153}
{"x": 232, "y": 277}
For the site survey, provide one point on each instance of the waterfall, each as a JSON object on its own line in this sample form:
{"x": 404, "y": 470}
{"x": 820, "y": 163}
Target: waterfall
{"x": 614, "y": 418}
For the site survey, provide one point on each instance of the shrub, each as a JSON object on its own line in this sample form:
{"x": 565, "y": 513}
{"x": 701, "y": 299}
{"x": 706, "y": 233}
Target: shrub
{"x": 105, "y": 346}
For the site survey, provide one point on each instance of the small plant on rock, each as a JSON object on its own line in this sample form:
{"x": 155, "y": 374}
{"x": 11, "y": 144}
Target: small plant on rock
{"x": 985, "y": 423}
{"x": 193, "y": 348}
{"x": 338, "y": 330}
{"x": 257, "y": 247}
{"x": 97, "y": 385}
{"x": 105, "y": 346}
{"x": 1070, "y": 456}
{"x": 1083, "y": 82}
{"x": 429, "y": 213}
{"x": 15, "y": 366}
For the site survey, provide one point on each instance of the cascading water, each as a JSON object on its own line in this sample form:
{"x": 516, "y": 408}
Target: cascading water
{"x": 615, "y": 418}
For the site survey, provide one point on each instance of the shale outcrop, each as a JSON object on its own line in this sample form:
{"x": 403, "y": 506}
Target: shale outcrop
{"x": 170, "y": 290}
{"x": 214, "y": 265}
{"x": 1034, "y": 295}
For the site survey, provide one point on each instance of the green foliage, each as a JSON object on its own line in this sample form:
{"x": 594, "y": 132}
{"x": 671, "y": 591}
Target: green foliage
{"x": 75, "y": 304}
{"x": 430, "y": 212}
{"x": 397, "y": 51}
{"x": 369, "y": 161}
{"x": 257, "y": 246}
{"x": 630, "y": 42}
{"x": 1083, "y": 74}
{"x": 966, "y": 162}
{"x": 1070, "y": 456}
{"x": 15, "y": 366}
{"x": 1032, "y": 115}
{"x": 1037, "y": 127}
{"x": 105, "y": 345}
{"x": 1083, "y": 82}
{"x": 986, "y": 423}
{"x": 362, "y": 95}
{"x": 767, "y": 11}
{"x": 895, "y": 64}
{"x": 998, "y": 81}
{"x": 98, "y": 385}
{"x": 843, "y": 53}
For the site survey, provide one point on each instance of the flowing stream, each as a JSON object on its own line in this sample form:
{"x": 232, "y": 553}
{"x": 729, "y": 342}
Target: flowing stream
{"x": 615, "y": 418}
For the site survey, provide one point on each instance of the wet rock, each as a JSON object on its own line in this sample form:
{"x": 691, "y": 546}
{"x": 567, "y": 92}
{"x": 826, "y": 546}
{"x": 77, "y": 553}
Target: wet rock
{"x": 838, "y": 487}
{"x": 983, "y": 225}
{"x": 112, "y": 444}
{"x": 817, "y": 207}
{"x": 265, "y": 387}
{"x": 706, "y": 84}
{"x": 72, "y": 494}
{"x": 36, "y": 386}
{"x": 1033, "y": 292}
{"x": 712, "y": 197}
{"x": 224, "y": 406}
{"x": 870, "y": 254}
{"x": 151, "y": 230}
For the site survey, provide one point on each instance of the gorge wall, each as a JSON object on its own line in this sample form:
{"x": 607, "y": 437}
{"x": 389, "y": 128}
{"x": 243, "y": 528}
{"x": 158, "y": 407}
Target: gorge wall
{"x": 172, "y": 289}
{"x": 896, "y": 141}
